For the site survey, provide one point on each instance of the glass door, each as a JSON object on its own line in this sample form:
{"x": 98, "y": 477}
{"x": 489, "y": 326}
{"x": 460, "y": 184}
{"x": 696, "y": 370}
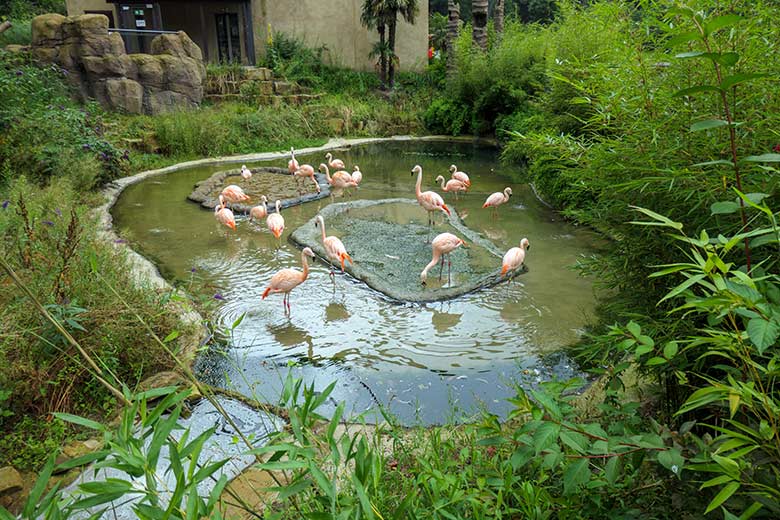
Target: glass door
{"x": 228, "y": 37}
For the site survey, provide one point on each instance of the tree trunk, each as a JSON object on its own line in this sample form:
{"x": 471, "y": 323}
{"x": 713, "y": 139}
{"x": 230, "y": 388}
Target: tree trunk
{"x": 391, "y": 44}
{"x": 382, "y": 56}
{"x": 453, "y": 28}
{"x": 479, "y": 15}
{"x": 498, "y": 16}
{"x": 5, "y": 26}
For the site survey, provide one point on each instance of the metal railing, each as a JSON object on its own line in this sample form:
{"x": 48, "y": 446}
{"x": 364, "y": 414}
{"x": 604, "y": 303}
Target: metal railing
{"x": 138, "y": 41}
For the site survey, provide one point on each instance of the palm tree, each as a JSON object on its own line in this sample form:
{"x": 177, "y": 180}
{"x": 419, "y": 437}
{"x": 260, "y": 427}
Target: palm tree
{"x": 498, "y": 16}
{"x": 383, "y": 14}
{"x": 479, "y": 15}
{"x": 453, "y": 27}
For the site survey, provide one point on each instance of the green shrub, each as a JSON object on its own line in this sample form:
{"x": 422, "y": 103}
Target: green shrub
{"x": 20, "y": 33}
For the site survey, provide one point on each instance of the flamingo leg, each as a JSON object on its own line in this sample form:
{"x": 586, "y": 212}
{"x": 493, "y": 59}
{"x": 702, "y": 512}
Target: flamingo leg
{"x": 449, "y": 270}
{"x": 441, "y": 269}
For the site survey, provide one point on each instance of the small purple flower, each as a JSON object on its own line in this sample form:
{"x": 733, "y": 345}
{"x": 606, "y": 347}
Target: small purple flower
{"x": 19, "y": 73}
{"x": 6, "y": 203}
{"x": 57, "y": 212}
{"x": 49, "y": 107}
{"x": 120, "y": 241}
{"x": 193, "y": 270}
{"x": 48, "y": 222}
{"x": 61, "y": 107}
{"x": 86, "y": 146}
{"x": 103, "y": 156}
{"x": 219, "y": 297}
{"x": 64, "y": 72}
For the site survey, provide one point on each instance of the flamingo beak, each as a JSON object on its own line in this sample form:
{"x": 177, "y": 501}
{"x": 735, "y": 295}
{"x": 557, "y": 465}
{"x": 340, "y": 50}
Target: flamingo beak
{"x": 464, "y": 244}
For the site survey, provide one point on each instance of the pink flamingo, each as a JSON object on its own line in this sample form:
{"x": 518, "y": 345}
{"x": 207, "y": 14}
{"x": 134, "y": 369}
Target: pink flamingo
{"x": 234, "y": 194}
{"x": 224, "y": 215}
{"x": 460, "y": 176}
{"x": 246, "y": 173}
{"x": 442, "y": 245}
{"x": 515, "y": 257}
{"x": 429, "y": 200}
{"x": 336, "y": 164}
{"x": 292, "y": 164}
{"x": 357, "y": 175}
{"x": 339, "y": 181}
{"x": 288, "y": 279}
{"x": 333, "y": 246}
{"x": 452, "y": 185}
{"x": 306, "y": 171}
{"x": 275, "y": 223}
{"x": 259, "y": 212}
{"x": 498, "y": 198}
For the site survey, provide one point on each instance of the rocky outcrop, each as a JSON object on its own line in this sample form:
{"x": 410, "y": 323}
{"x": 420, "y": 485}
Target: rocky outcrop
{"x": 96, "y": 64}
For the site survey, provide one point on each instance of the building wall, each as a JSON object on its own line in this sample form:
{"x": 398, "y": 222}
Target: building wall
{"x": 348, "y": 42}
{"x": 175, "y": 18}
{"x": 75, "y": 7}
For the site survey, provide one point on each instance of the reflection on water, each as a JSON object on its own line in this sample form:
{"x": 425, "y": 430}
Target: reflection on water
{"x": 419, "y": 360}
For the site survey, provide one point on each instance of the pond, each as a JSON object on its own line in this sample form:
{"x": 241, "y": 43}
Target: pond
{"x": 426, "y": 362}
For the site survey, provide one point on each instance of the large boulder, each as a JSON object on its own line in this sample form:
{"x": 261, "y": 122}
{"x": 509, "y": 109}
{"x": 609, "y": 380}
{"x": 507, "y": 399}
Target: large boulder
{"x": 47, "y": 29}
{"x": 109, "y": 66}
{"x": 164, "y": 101}
{"x": 149, "y": 70}
{"x": 10, "y": 480}
{"x": 178, "y": 44}
{"x": 125, "y": 95}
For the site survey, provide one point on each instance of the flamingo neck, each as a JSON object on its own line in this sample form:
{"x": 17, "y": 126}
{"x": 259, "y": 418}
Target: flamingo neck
{"x": 322, "y": 225}
{"x": 327, "y": 175}
{"x": 442, "y": 183}
{"x": 419, "y": 183}
{"x": 506, "y": 196}
{"x": 305, "y": 267}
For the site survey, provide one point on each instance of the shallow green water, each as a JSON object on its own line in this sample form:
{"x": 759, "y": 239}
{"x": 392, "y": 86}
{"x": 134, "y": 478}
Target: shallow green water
{"x": 428, "y": 362}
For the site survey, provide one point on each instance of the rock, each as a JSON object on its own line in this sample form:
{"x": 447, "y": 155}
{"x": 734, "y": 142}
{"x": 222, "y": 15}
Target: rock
{"x": 125, "y": 94}
{"x": 179, "y": 45}
{"x": 110, "y": 66}
{"x": 85, "y": 25}
{"x": 10, "y": 481}
{"x": 47, "y": 29}
{"x": 283, "y": 88}
{"x": 166, "y": 101}
{"x": 150, "y": 69}
{"x": 117, "y": 44}
{"x": 163, "y": 379}
{"x": 183, "y": 76}
{"x": 265, "y": 88}
{"x": 258, "y": 73}
{"x": 14, "y": 48}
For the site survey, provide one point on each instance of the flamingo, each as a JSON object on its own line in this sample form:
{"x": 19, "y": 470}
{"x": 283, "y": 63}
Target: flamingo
{"x": 442, "y": 245}
{"x": 246, "y": 173}
{"x": 333, "y": 246}
{"x": 234, "y": 194}
{"x": 336, "y": 164}
{"x": 460, "y": 176}
{"x": 224, "y": 215}
{"x": 288, "y": 279}
{"x": 452, "y": 185}
{"x": 429, "y": 200}
{"x": 275, "y": 222}
{"x": 306, "y": 171}
{"x": 259, "y": 212}
{"x": 339, "y": 181}
{"x": 357, "y": 175}
{"x": 292, "y": 164}
{"x": 514, "y": 257}
{"x": 498, "y": 198}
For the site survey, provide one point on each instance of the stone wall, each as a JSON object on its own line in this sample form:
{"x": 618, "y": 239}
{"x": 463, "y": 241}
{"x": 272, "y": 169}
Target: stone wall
{"x": 98, "y": 67}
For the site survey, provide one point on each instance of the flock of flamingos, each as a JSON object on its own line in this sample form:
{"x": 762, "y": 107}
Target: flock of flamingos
{"x": 442, "y": 245}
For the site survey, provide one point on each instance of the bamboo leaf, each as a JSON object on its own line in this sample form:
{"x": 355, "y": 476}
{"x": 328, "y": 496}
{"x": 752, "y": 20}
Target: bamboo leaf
{"x": 81, "y": 421}
{"x": 720, "y": 22}
{"x": 725, "y": 207}
{"x": 712, "y": 163}
{"x": 577, "y": 474}
{"x": 736, "y": 79}
{"x": 683, "y": 286}
{"x": 661, "y": 220}
{"x": 722, "y": 496}
{"x": 683, "y": 38}
{"x": 763, "y": 333}
{"x": 767, "y": 157}
{"x": 708, "y": 124}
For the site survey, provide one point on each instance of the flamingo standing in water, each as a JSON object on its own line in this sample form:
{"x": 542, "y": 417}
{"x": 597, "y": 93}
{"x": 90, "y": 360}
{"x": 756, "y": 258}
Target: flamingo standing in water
{"x": 339, "y": 181}
{"x": 515, "y": 257}
{"x": 292, "y": 164}
{"x": 246, "y": 173}
{"x": 224, "y": 215}
{"x": 288, "y": 279}
{"x": 306, "y": 171}
{"x": 234, "y": 194}
{"x": 429, "y": 200}
{"x": 259, "y": 212}
{"x": 452, "y": 185}
{"x": 336, "y": 164}
{"x": 442, "y": 245}
{"x": 333, "y": 246}
{"x": 498, "y": 198}
{"x": 357, "y": 175}
{"x": 275, "y": 223}
{"x": 460, "y": 176}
